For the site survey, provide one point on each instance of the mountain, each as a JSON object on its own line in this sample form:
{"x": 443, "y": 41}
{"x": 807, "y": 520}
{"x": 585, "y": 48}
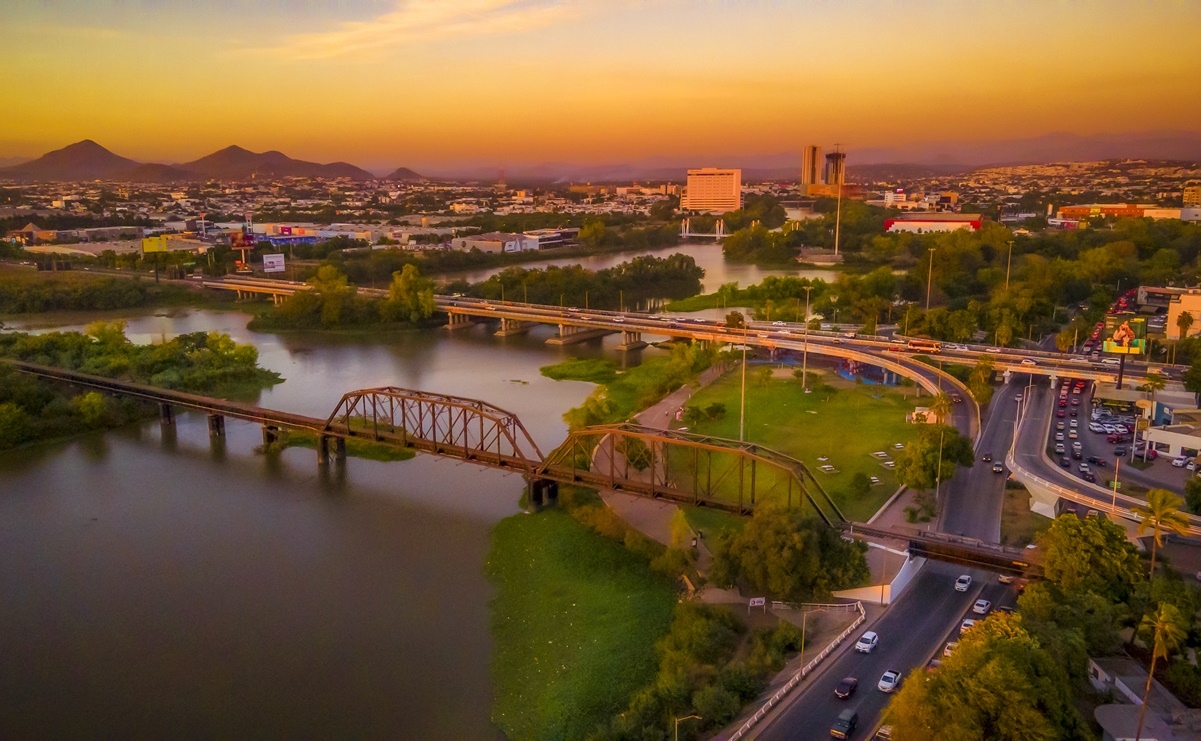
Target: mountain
{"x": 403, "y": 173}
{"x": 236, "y": 163}
{"x": 85, "y": 160}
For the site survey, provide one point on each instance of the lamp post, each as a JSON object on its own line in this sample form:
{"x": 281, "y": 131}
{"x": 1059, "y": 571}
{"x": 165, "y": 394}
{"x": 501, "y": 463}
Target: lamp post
{"x": 1008, "y": 264}
{"x": 805, "y": 354}
{"x": 929, "y": 278}
{"x": 742, "y": 405}
{"x": 686, "y": 717}
{"x": 1117, "y": 466}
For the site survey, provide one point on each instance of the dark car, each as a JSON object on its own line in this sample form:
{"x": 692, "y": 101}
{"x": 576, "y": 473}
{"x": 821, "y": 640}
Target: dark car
{"x": 1077, "y": 455}
{"x": 987, "y": 457}
{"x": 1098, "y": 462}
{"x": 846, "y": 688}
{"x": 844, "y": 726}
{"x": 998, "y": 468}
{"x": 1074, "y": 411}
{"x": 1119, "y": 451}
{"x": 1065, "y": 462}
{"x": 1090, "y": 477}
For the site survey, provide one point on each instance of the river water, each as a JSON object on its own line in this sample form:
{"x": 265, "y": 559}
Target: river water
{"x": 707, "y": 255}
{"x": 154, "y": 584}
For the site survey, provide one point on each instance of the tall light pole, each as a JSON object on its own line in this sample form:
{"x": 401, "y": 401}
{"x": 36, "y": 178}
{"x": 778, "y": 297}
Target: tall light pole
{"x": 838, "y": 211}
{"x": 1008, "y": 264}
{"x": 686, "y": 717}
{"x": 805, "y": 354}
{"x": 742, "y": 405}
{"x": 929, "y": 278}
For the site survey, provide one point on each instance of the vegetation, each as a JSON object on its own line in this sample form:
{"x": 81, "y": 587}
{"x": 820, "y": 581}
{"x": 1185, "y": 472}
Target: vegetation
{"x": 792, "y": 557}
{"x": 333, "y": 302}
{"x": 34, "y": 292}
{"x": 929, "y": 460}
{"x": 1160, "y": 514}
{"x": 32, "y": 410}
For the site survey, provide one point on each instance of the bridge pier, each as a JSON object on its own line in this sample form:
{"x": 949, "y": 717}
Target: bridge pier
{"x": 631, "y": 341}
{"x": 322, "y": 450}
{"x": 270, "y": 434}
{"x": 216, "y": 425}
{"x": 569, "y": 334}
{"x": 340, "y": 449}
{"x": 166, "y": 414}
{"x": 543, "y": 491}
{"x": 460, "y": 321}
{"x": 510, "y": 327}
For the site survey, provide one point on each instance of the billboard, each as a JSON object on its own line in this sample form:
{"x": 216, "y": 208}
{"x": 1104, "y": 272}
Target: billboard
{"x": 154, "y": 244}
{"x": 273, "y": 263}
{"x": 1125, "y": 334}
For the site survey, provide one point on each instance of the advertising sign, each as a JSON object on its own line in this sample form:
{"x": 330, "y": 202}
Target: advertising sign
{"x": 154, "y": 244}
{"x": 285, "y": 230}
{"x": 273, "y": 263}
{"x": 1125, "y": 334}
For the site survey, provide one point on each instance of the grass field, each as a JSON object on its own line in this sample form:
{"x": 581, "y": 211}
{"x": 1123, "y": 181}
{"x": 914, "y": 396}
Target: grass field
{"x": 712, "y": 521}
{"x": 575, "y": 619}
{"x": 1019, "y": 524}
{"x": 845, "y": 426}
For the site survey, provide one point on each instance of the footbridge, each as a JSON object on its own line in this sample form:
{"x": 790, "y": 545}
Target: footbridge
{"x": 678, "y": 466}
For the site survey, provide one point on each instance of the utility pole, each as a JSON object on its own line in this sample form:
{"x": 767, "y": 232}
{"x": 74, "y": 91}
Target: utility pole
{"x": 1008, "y": 265}
{"x": 805, "y": 355}
{"x": 742, "y": 406}
{"x": 929, "y": 278}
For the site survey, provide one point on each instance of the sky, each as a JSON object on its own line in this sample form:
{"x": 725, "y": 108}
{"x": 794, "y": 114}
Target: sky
{"x": 443, "y": 83}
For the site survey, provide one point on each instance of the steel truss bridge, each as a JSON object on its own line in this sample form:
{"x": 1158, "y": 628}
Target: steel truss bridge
{"x": 678, "y": 466}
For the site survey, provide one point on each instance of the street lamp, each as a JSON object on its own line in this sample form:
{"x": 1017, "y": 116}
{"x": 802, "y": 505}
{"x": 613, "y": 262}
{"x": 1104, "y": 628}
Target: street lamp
{"x": 805, "y": 354}
{"x": 742, "y": 405}
{"x": 929, "y": 278}
{"x": 1008, "y": 264}
{"x": 686, "y": 717}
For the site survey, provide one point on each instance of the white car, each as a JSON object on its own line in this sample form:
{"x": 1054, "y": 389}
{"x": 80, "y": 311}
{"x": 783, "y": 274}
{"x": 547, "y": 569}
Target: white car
{"x": 981, "y": 607}
{"x": 949, "y": 648}
{"x": 962, "y": 583}
{"x": 1094, "y": 427}
{"x": 1180, "y": 462}
{"x": 1059, "y": 447}
{"x": 777, "y": 324}
{"x": 966, "y": 625}
{"x": 1029, "y": 361}
{"x": 1110, "y": 361}
{"x": 1121, "y": 429}
{"x": 890, "y": 681}
{"x": 619, "y": 318}
{"x": 1109, "y": 429}
{"x": 867, "y": 643}
{"x": 1074, "y": 423}
{"x": 1059, "y": 436}
{"x": 1076, "y": 445}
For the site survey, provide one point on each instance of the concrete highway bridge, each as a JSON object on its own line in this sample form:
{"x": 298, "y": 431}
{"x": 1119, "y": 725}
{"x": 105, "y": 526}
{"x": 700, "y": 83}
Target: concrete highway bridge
{"x": 678, "y": 466}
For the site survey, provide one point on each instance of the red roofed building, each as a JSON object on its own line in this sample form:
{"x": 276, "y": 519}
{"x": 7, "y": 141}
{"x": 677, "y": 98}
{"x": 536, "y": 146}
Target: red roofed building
{"x": 924, "y": 223}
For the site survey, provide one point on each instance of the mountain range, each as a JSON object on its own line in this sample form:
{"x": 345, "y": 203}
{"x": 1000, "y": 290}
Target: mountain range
{"x": 87, "y": 160}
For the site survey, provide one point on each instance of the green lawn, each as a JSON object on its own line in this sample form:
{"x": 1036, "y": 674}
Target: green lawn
{"x": 575, "y": 619}
{"x": 712, "y": 521}
{"x": 845, "y": 425}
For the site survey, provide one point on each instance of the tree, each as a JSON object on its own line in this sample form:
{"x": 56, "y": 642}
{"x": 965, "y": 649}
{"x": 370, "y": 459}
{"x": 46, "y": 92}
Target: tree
{"x": 763, "y": 375}
{"x": 1184, "y": 322}
{"x": 1064, "y": 339}
{"x": 410, "y": 297}
{"x": 1154, "y": 384}
{"x": 1161, "y": 514}
{"x": 1090, "y": 555}
{"x": 999, "y": 684}
{"x": 1167, "y": 629}
{"x": 918, "y": 465}
{"x": 942, "y": 406}
{"x": 1192, "y": 377}
{"x": 1192, "y": 494}
{"x": 980, "y": 380}
{"x": 735, "y": 320}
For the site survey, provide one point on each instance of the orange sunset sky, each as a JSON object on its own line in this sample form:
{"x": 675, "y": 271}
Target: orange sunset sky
{"x": 432, "y": 82}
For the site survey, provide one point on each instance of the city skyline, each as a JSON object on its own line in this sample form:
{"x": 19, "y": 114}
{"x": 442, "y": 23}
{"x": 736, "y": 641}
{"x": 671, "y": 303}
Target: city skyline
{"x": 426, "y": 85}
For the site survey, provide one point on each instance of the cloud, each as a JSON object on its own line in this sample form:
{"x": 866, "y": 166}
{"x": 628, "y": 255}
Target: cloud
{"x": 415, "y": 21}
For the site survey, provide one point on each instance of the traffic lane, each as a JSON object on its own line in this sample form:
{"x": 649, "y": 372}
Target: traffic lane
{"x": 910, "y": 630}
{"x": 997, "y": 595}
{"x": 972, "y": 503}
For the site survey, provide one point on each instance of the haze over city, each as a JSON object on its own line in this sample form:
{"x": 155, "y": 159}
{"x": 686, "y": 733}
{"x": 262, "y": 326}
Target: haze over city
{"x": 446, "y": 87}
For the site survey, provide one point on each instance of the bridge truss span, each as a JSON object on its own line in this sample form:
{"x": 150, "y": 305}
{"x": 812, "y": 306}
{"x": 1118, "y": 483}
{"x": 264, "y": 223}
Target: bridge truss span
{"x": 687, "y": 468}
{"x": 446, "y": 425}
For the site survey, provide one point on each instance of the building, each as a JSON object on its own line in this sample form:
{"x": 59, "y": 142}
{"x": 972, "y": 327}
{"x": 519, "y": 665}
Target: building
{"x": 496, "y": 242}
{"x": 1192, "y": 196}
{"x": 712, "y": 189}
{"x": 1125, "y": 680}
{"x": 925, "y": 223}
{"x": 1187, "y": 301}
{"x": 811, "y": 160}
{"x": 549, "y": 238}
{"x": 836, "y": 168}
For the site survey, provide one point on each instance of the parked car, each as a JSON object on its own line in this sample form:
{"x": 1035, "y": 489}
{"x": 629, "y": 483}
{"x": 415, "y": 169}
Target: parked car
{"x": 867, "y": 642}
{"x": 962, "y": 583}
{"x": 1097, "y": 461}
{"x": 1180, "y": 461}
{"x": 949, "y": 648}
{"x": 966, "y": 625}
{"x": 981, "y": 607}
{"x": 890, "y": 680}
{"x": 1119, "y": 451}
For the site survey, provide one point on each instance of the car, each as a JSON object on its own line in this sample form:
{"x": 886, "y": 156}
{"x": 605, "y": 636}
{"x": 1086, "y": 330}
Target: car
{"x": 1121, "y": 429}
{"x": 845, "y": 724}
{"x": 1059, "y": 437}
{"x": 1090, "y": 477}
{"x": 1059, "y": 425}
{"x": 1110, "y": 361}
{"x": 889, "y": 681}
{"x": 962, "y": 583}
{"x": 1059, "y": 448}
{"x": 1091, "y": 514}
{"x": 986, "y": 457}
{"x": 1029, "y": 361}
{"x": 1077, "y": 455}
{"x": 1072, "y": 434}
{"x": 949, "y": 649}
{"x": 966, "y": 625}
{"x": 1065, "y": 462}
{"x": 1005, "y": 609}
{"x": 1180, "y": 461}
{"x": 867, "y": 642}
{"x": 1119, "y": 451}
{"x": 1094, "y": 427}
{"x": 933, "y": 665}
{"x": 981, "y": 607}
{"x": 1109, "y": 429}
{"x": 956, "y": 398}
{"x": 998, "y": 468}
{"x": 1005, "y": 578}
{"x": 1060, "y": 414}
{"x": 1063, "y": 402}
{"x": 1075, "y": 402}
{"x": 884, "y": 734}
{"x": 619, "y": 319}
{"x": 778, "y": 324}
{"x": 1074, "y": 411}
{"x": 1074, "y": 423}
{"x": 1097, "y": 461}
{"x": 1115, "y": 439}
{"x": 846, "y": 688}
{"x": 1084, "y": 468}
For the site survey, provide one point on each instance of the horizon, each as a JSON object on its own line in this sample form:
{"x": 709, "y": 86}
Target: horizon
{"x": 522, "y": 83}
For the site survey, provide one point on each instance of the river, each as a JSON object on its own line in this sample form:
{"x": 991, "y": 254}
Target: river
{"x": 707, "y": 255}
{"x": 155, "y": 584}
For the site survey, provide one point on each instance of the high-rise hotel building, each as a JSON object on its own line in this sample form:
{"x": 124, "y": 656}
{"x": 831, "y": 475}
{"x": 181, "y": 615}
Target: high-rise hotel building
{"x": 811, "y": 165}
{"x": 713, "y": 189}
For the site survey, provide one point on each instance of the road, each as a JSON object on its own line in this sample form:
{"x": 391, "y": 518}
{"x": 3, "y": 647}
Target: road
{"x": 913, "y": 628}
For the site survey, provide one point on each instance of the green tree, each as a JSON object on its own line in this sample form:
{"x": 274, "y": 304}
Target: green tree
{"x": 918, "y": 465}
{"x": 998, "y": 685}
{"x": 93, "y": 408}
{"x": 410, "y": 297}
{"x": 1064, "y": 339}
{"x": 763, "y": 375}
{"x": 1161, "y": 514}
{"x": 1167, "y": 629}
{"x": 14, "y": 426}
{"x": 1154, "y": 384}
{"x": 1184, "y": 323}
{"x": 334, "y": 293}
{"x": 942, "y": 406}
{"x": 1192, "y": 494}
{"x": 735, "y": 320}
{"x": 593, "y": 233}
{"x": 1090, "y": 555}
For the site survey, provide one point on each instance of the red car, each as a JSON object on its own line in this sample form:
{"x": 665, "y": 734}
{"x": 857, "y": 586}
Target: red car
{"x": 1116, "y": 438}
{"x": 1063, "y": 402}
{"x": 1060, "y": 413}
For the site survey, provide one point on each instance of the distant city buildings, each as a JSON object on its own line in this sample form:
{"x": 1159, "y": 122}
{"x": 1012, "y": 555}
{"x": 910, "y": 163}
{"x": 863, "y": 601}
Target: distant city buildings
{"x": 1192, "y": 196}
{"x": 497, "y": 242}
{"x": 925, "y": 223}
{"x": 836, "y": 168}
{"x": 811, "y": 160}
{"x": 713, "y": 190}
